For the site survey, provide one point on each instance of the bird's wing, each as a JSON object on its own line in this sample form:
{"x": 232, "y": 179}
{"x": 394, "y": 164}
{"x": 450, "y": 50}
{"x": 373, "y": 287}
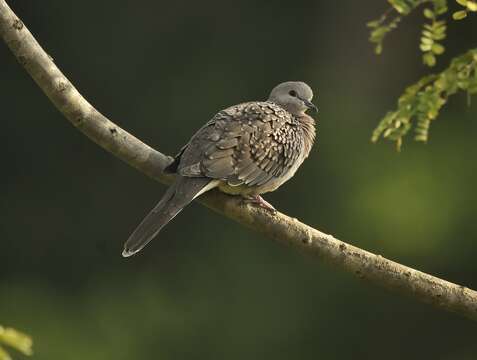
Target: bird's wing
{"x": 247, "y": 144}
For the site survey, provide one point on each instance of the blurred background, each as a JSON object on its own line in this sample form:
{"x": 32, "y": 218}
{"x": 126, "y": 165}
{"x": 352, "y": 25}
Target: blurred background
{"x": 208, "y": 288}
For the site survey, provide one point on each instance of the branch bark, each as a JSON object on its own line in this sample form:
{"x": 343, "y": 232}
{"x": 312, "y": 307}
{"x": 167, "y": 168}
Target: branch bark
{"x": 363, "y": 264}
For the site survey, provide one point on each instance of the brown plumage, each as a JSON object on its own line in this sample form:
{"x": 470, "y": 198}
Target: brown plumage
{"x": 247, "y": 149}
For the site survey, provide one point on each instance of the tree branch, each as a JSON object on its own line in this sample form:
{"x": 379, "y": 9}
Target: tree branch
{"x": 365, "y": 265}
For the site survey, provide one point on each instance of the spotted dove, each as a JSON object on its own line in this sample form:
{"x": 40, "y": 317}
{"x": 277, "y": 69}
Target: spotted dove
{"x": 247, "y": 150}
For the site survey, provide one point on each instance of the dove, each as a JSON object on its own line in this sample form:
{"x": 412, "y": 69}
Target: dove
{"x": 246, "y": 150}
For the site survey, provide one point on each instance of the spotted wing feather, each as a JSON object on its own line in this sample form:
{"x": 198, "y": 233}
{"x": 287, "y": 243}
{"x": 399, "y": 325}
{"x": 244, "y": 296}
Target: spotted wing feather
{"x": 247, "y": 144}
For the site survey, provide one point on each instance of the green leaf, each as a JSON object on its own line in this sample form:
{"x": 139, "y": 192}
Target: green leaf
{"x": 462, "y": 2}
{"x": 373, "y": 24}
{"x": 441, "y": 9}
{"x": 400, "y": 6}
{"x": 437, "y": 48}
{"x": 472, "y": 6}
{"x": 429, "y": 59}
{"x": 439, "y": 36}
{"x": 425, "y": 47}
{"x": 4, "y": 355}
{"x": 427, "y": 33}
{"x": 427, "y": 41}
{"x": 428, "y": 13}
{"x": 16, "y": 340}
{"x": 459, "y": 15}
{"x": 378, "y": 49}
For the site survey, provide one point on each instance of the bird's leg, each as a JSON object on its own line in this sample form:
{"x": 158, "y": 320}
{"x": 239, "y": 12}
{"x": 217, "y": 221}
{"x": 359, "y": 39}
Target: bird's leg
{"x": 257, "y": 200}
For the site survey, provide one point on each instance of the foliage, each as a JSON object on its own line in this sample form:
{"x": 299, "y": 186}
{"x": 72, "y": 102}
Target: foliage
{"x": 468, "y": 5}
{"x": 422, "y": 101}
{"x": 432, "y": 33}
{"x": 16, "y": 340}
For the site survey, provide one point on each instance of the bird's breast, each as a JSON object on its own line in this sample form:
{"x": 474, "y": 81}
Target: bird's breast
{"x": 307, "y": 125}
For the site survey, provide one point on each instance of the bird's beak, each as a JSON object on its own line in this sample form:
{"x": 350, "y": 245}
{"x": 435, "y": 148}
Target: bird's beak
{"x": 310, "y": 105}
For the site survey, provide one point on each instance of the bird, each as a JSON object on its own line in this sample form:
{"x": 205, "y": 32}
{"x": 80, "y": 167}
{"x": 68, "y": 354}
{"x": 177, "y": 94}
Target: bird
{"x": 247, "y": 150}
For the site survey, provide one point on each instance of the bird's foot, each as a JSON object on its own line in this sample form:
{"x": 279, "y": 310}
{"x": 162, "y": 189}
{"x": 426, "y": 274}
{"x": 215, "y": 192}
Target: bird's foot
{"x": 257, "y": 200}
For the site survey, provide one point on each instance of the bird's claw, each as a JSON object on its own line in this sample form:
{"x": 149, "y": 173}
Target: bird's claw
{"x": 257, "y": 200}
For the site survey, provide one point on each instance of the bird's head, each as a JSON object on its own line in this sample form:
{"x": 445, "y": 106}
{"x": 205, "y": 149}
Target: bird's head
{"x": 293, "y": 96}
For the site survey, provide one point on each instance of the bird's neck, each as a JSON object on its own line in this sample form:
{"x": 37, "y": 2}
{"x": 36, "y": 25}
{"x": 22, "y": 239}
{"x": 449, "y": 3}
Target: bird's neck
{"x": 308, "y": 126}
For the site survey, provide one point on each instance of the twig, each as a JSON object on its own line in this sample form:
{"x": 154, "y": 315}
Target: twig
{"x": 365, "y": 265}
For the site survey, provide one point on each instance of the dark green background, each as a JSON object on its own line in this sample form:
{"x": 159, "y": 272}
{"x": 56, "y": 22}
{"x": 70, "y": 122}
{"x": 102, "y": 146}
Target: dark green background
{"x": 208, "y": 288}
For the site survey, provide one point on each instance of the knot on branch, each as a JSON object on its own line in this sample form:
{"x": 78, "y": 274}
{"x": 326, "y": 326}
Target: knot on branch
{"x": 17, "y": 24}
{"x": 62, "y": 85}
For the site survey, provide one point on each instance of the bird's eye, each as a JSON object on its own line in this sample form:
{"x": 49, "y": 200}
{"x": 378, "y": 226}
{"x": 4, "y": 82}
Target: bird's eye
{"x": 292, "y": 93}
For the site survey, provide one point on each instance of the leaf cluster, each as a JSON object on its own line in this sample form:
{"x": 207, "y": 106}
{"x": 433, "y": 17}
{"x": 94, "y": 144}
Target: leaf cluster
{"x": 422, "y": 101}
{"x": 433, "y": 32}
{"x": 468, "y": 6}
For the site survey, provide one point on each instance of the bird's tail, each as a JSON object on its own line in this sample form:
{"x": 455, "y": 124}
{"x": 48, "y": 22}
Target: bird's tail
{"x": 178, "y": 196}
